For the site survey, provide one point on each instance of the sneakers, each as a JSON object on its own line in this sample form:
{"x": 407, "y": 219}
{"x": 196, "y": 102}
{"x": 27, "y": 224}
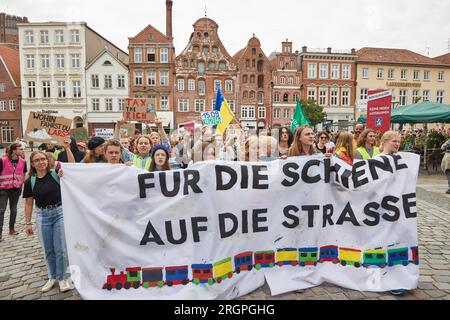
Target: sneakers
{"x": 65, "y": 285}
{"x": 49, "y": 285}
{"x": 398, "y": 292}
{"x": 13, "y": 232}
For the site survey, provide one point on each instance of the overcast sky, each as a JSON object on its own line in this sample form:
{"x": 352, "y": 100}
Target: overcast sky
{"x": 340, "y": 24}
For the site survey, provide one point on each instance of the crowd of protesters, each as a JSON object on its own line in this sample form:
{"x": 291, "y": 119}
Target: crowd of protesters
{"x": 156, "y": 151}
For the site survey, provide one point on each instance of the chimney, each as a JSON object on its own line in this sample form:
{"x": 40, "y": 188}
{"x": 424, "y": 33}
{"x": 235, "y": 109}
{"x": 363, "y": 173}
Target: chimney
{"x": 328, "y": 50}
{"x": 353, "y": 51}
{"x": 169, "y": 4}
{"x": 304, "y": 49}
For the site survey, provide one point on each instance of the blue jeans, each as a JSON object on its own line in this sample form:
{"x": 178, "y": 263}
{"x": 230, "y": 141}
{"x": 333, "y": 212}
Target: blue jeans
{"x": 50, "y": 224}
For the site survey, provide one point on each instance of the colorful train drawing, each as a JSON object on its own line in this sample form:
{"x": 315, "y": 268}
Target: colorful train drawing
{"x": 209, "y": 274}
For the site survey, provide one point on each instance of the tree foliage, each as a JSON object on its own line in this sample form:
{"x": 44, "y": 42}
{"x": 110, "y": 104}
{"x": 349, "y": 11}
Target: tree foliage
{"x": 313, "y": 112}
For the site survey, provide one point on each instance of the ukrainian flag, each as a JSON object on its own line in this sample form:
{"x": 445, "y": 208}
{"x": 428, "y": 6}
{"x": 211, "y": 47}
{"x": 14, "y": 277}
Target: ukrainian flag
{"x": 225, "y": 112}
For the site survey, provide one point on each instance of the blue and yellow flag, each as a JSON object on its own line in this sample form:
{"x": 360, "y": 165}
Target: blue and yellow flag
{"x": 225, "y": 112}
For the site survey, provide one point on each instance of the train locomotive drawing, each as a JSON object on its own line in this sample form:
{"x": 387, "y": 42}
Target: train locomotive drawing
{"x": 215, "y": 273}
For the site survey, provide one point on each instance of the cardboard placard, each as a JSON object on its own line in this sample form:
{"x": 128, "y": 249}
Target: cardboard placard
{"x": 80, "y": 134}
{"x": 211, "y": 118}
{"x": 141, "y": 110}
{"x": 105, "y": 133}
{"x": 46, "y": 128}
{"x": 126, "y": 131}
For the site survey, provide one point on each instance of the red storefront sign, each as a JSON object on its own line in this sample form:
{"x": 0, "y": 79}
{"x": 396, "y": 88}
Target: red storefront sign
{"x": 379, "y": 104}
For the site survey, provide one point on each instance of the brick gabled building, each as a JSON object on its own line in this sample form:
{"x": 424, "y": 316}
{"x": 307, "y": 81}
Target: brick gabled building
{"x": 152, "y": 68}
{"x": 202, "y": 66}
{"x": 254, "y": 85}
{"x": 10, "y": 95}
{"x": 9, "y": 32}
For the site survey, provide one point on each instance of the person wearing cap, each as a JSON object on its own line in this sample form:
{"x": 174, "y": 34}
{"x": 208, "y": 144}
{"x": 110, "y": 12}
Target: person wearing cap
{"x": 160, "y": 158}
{"x": 96, "y": 153}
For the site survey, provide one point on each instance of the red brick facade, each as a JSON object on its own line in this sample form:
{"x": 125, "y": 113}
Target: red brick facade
{"x": 8, "y": 29}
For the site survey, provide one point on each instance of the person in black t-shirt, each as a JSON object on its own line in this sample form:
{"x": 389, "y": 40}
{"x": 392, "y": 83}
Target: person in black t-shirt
{"x": 43, "y": 186}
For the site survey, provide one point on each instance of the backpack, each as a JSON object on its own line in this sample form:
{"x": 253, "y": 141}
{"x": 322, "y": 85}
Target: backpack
{"x": 53, "y": 174}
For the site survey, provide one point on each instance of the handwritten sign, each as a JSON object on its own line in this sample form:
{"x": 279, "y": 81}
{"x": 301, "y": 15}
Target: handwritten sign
{"x": 104, "y": 133}
{"x": 80, "y": 134}
{"x": 142, "y": 110}
{"x": 126, "y": 130}
{"x": 211, "y": 118}
{"x": 47, "y": 128}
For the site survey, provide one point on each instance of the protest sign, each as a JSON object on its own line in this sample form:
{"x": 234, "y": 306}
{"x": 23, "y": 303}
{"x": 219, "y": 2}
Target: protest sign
{"x": 142, "y": 110}
{"x": 211, "y": 118}
{"x": 80, "y": 134}
{"x": 379, "y": 105}
{"x": 184, "y": 235}
{"x": 105, "y": 133}
{"x": 126, "y": 130}
{"x": 46, "y": 128}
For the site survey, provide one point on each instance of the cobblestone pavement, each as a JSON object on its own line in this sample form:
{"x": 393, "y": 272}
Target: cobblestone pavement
{"x": 23, "y": 271}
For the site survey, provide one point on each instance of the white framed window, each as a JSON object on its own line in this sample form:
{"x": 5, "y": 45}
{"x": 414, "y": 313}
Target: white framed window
{"x": 287, "y": 113}
{"x": 95, "y": 81}
{"x": 76, "y": 63}
{"x": 276, "y": 113}
{"x": 138, "y": 78}
{"x": 29, "y": 37}
{"x": 402, "y": 97}
{"x": 121, "y": 104}
{"x": 199, "y": 105}
{"x": 290, "y": 80}
{"x": 295, "y": 97}
{"x": 426, "y": 75}
{"x": 45, "y": 61}
{"x": 60, "y": 61}
{"x": 183, "y": 105}
{"x": 12, "y": 105}
{"x": 191, "y": 84}
{"x": 441, "y": 75}
{"x": 323, "y": 71}
{"x": 248, "y": 112}
{"x": 334, "y": 97}
{"x": 213, "y": 104}
{"x": 364, "y": 94}
{"x": 312, "y": 94}
{"x": 46, "y": 89}
{"x": 201, "y": 87}
{"x": 229, "y": 85}
{"x": 164, "y": 78}
{"x": 415, "y": 96}
{"x": 335, "y": 71}
{"x": 282, "y": 80}
{"x": 164, "y": 55}
{"x": 95, "y": 104}
{"x": 151, "y": 56}
{"x": 404, "y": 74}
{"x": 380, "y": 73}
{"x": 260, "y": 97}
{"x": 276, "y": 97}
{"x": 151, "y": 77}
{"x": 137, "y": 55}
{"x": 262, "y": 112}
{"x": 2, "y": 105}
{"x": 29, "y": 61}
{"x": 121, "y": 81}
{"x": 217, "y": 85}
{"x": 345, "y": 97}
{"x": 346, "y": 71}
{"x": 180, "y": 85}
{"x": 108, "y": 81}
{"x": 2, "y": 87}
{"x": 322, "y": 97}
{"x": 312, "y": 70}
{"x": 109, "y": 104}
{"x": 391, "y": 74}
{"x": 75, "y": 36}
{"x": 232, "y": 105}
{"x": 164, "y": 102}
{"x": 31, "y": 89}
{"x": 7, "y": 134}
{"x": 61, "y": 89}
{"x": 365, "y": 73}
{"x": 439, "y": 96}
{"x": 59, "y": 36}
{"x": 416, "y": 75}
{"x": 76, "y": 85}
{"x": 44, "y": 36}
{"x": 426, "y": 95}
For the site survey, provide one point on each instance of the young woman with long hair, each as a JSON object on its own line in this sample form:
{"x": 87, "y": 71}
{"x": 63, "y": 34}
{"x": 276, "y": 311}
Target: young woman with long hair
{"x": 284, "y": 141}
{"x": 344, "y": 147}
{"x": 367, "y": 145}
{"x": 160, "y": 158}
{"x": 390, "y": 143}
{"x": 303, "y": 144}
{"x": 96, "y": 153}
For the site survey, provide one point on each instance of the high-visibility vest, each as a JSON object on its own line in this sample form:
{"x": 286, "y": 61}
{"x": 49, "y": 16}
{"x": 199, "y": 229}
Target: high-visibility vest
{"x": 138, "y": 162}
{"x": 10, "y": 177}
{"x": 366, "y": 155}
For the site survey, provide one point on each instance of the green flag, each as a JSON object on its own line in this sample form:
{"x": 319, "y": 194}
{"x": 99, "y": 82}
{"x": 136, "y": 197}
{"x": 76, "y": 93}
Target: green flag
{"x": 299, "y": 118}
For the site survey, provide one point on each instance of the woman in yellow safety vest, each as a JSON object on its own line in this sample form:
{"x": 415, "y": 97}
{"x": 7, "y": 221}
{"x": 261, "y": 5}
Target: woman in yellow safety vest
{"x": 142, "y": 158}
{"x": 366, "y": 145}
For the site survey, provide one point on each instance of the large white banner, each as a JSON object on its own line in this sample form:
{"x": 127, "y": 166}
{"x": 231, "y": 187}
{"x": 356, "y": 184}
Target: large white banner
{"x": 220, "y": 229}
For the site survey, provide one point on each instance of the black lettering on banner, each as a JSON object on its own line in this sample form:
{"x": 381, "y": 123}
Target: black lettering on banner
{"x": 244, "y": 174}
{"x": 191, "y": 182}
{"x": 385, "y": 205}
{"x": 357, "y": 174}
{"x": 305, "y": 177}
{"x": 328, "y": 168}
{"x": 183, "y": 232}
{"x": 244, "y": 222}
{"x": 345, "y": 177}
{"x": 257, "y": 178}
{"x": 290, "y": 174}
{"x": 294, "y": 218}
{"x": 219, "y": 178}
{"x": 370, "y": 210}
{"x": 328, "y": 211}
{"x": 399, "y": 166}
{"x": 407, "y": 205}
{"x": 257, "y": 219}
{"x": 375, "y": 163}
{"x": 151, "y": 236}
{"x": 196, "y": 229}
{"x": 310, "y": 210}
{"x": 348, "y": 215}
{"x": 143, "y": 185}
{"x": 222, "y": 219}
{"x": 176, "y": 184}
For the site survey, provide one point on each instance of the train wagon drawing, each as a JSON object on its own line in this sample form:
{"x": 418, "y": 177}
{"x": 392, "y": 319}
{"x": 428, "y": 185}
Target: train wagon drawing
{"x": 374, "y": 258}
{"x": 202, "y": 273}
{"x": 287, "y": 257}
{"x": 264, "y": 259}
{"x": 152, "y": 277}
{"x": 223, "y": 270}
{"x": 243, "y": 261}
{"x": 133, "y": 278}
{"x": 177, "y": 275}
{"x": 398, "y": 256}
{"x": 351, "y": 257}
{"x": 307, "y": 256}
{"x": 115, "y": 281}
{"x": 415, "y": 255}
{"x": 329, "y": 254}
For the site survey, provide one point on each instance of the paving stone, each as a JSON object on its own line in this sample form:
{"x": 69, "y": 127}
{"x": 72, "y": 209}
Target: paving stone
{"x": 62, "y": 296}
{"x": 338, "y": 296}
{"x": 436, "y": 293}
{"x": 19, "y": 289}
{"x": 371, "y": 294}
{"x": 426, "y": 279}
{"x": 355, "y": 295}
{"x": 442, "y": 279}
{"x": 4, "y": 277}
{"x": 24, "y": 293}
{"x": 442, "y": 286}
{"x": 5, "y": 293}
{"x": 34, "y": 296}
{"x": 420, "y": 294}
